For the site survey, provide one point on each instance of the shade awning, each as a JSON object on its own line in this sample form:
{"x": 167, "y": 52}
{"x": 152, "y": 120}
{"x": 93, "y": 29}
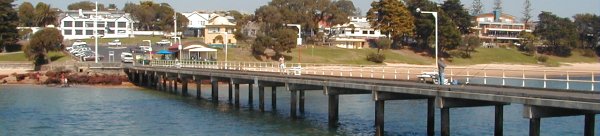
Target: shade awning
{"x": 163, "y": 52}
{"x": 174, "y": 47}
{"x": 193, "y": 46}
{"x": 203, "y": 49}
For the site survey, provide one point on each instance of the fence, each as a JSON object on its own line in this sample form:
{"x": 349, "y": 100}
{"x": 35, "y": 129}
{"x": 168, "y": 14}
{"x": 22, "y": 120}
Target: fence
{"x": 486, "y": 76}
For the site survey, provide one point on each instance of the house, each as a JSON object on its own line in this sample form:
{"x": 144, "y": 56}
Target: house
{"x": 79, "y": 24}
{"x": 354, "y": 34}
{"x": 218, "y": 31}
{"x": 497, "y": 27}
{"x": 197, "y": 23}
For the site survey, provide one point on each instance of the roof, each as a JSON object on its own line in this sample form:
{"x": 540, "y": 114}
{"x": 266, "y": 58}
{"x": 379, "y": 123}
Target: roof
{"x": 492, "y": 15}
{"x": 219, "y": 20}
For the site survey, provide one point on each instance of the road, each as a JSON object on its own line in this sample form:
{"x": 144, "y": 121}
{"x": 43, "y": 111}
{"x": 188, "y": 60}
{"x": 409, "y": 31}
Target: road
{"x": 104, "y": 49}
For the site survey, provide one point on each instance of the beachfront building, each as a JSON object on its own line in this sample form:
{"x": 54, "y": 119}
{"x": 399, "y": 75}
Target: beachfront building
{"x": 214, "y": 34}
{"x": 354, "y": 34}
{"x": 79, "y": 24}
{"x": 197, "y": 23}
{"x": 497, "y": 27}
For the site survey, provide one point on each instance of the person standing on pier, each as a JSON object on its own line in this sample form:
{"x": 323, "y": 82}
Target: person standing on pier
{"x": 281, "y": 65}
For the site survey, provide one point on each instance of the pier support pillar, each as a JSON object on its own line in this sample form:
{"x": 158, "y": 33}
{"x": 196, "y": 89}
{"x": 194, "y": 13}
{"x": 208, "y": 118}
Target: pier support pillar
{"x": 149, "y": 80}
{"x": 140, "y": 79}
{"x": 431, "y": 116}
{"x": 230, "y": 85}
{"x": 274, "y": 98}
{"x": 301, "y": 101}
{"x": 164, "y": 84}
{"x": 251, "y": 95}
{"x": 499, "y": 121}
{"x": 534, "y": 126}
{"x": 261, "y": 98}
{"x": 379, "y": 114}
{"x": 198, "y": 89}
{"x": 175, "y": 86}
{"x": 215, "y": 89}
{"x": 589, "y": 124}
{"x": 237, "y": 95}
{"x": 170, "y": 88}
{"x": 333, "y": 110}
{"x": 293, "y": 105}
{"x": 445, "y": 121}
{"x": 184, "y": 87}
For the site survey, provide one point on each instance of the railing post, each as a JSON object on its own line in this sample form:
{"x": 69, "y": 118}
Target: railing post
{"x": 408, "y": 74}
{"x": 361, "y": 71}
{"x": 451, "y": 75}
{"x": 568, "y": 80}
{"x": 523, "y": 84}
{"x": 395, "y": 73}
{"x": 382, "y": 72}
{"x": 484, "y": 77}
{"x": 371, "y": 72}
{"x": 468, "y": 75}
{"x": 322, "y": 70}
{"x": 503, "y": 77}
{"x": 341, "y": 71}
{"x": 545, "y": 78}
{"x": 593, "y": 81}
{"x": 351, "y": 71}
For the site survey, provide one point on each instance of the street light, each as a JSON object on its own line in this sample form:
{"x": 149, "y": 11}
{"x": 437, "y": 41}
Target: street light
{"x": 225, "y": 46}
{"x": 298, "y": 40}
{"x": 96, "y": 33}
{"x": 440, "y": 76}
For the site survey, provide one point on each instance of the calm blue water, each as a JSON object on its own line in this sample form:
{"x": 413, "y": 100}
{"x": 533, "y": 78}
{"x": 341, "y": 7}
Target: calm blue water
{"x": 80, "y": 110}
{"x": 574, "y": 85}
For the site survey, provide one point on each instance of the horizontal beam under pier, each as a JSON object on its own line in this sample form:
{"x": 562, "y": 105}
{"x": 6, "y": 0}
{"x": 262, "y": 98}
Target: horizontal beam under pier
{"x": 342, "y": 91}
{"x": 383, "y": 96}
{"x": 532, "y": 111}
{"x": 459, "y": 103}
{"x": 268, "y": 83}
{"x": 241, "y": 81}
{"x": 291, "y": 86}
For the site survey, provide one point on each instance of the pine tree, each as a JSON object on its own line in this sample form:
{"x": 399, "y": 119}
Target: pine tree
{"x": 498, "y": 5}
{"x": 477, "y": 7}
{"x": 527, "y": 12}
{"x": 392, "y": 17}
{"x": 8, "y": 24}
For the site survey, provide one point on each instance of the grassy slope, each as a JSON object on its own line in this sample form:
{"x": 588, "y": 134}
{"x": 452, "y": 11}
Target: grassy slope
{"x": 512, "y": 56}
{"x": 54, "y": 56}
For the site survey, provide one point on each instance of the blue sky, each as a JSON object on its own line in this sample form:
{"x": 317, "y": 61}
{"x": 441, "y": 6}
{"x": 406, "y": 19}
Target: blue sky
{"x": 563, "y": 8}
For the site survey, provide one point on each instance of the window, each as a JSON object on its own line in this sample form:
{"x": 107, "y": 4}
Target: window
{"x": 111, "y": 31}
{"x": 78, "y": 23}
{"x": 89, "y": 24}
{"x": 100, "y": 32}
{"x": 372, "y": 32}
{"x": 213, "y": 30}
{"x": 89, "y": 32}
{"x": 67, "y": 32}
{"x": 101, "y": 24}
{"x": 110, "y": 24}
{"x": 121, "y": 31}
{"x": 68, "y": 24}
{"x": 201, "y": 22}
{"x": 228, "y": 40}
{"x": 121, "y": 24}
{"x": 365, "y": 32}
{"x": 78, "y": 32}
{"x": 230, "y": 30}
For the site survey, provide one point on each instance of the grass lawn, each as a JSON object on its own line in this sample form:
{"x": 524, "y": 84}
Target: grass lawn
{"x": 513, "y": 56}
{"x": 138, "y": 40}
{"x": 54, "y": 56}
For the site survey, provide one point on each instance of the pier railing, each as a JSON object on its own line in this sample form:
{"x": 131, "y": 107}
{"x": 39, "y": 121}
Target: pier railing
{"x": 523, "y": 77}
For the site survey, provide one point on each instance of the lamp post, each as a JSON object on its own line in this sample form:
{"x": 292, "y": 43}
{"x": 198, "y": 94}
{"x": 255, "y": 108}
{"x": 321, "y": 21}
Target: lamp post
{"x": 96, "y": 34}
{"x": 298, "y": 40}
{"x": 440, "y": 76}
{"x": 225, "y": 46}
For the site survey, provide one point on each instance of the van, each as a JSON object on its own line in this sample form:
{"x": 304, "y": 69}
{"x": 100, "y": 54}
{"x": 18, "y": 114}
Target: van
{"x": 126, "y": 57}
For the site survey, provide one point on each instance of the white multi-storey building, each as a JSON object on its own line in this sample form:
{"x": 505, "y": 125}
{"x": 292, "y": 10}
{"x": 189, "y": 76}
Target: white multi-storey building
{"x": 197, "y": 23}
{"x": 498, "y": 27}
{"x": 354, "y": 34}
{"x": 78, "y": 24}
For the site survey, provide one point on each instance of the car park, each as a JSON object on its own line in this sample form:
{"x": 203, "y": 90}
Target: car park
{"x": 163, "y": 42}
{"x": 116, "y": 42}
{"x": 146, "y": 48}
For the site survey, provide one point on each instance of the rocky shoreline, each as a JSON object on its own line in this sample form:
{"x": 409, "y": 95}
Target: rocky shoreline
{"x": 54, "y": 78}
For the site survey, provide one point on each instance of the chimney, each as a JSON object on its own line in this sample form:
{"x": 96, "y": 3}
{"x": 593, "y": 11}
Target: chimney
{"x": 497, "y": 15}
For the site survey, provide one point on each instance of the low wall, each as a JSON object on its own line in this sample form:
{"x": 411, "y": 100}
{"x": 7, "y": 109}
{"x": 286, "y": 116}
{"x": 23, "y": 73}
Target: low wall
{"x": 16, "y": 65}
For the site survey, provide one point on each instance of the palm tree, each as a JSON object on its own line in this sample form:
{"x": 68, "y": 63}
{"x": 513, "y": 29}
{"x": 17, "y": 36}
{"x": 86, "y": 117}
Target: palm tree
{"x": 44, "y": 15}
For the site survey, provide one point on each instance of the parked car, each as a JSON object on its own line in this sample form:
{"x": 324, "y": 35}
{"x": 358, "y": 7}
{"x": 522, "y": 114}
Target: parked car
{"x": 126, "y": 57}
{"x": 116, "y": 42}
{"x": 163, "y": 42}
{"x": 92, "y": 57}
{"x": 146, "y": 48}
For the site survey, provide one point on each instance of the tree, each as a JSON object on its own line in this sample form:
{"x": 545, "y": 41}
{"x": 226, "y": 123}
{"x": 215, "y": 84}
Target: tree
{"x": 26, "y": 14}
{"x": 476, "y": 8}
{"x": 112, "y": 6}
{"x": 391, "y": 17}
{"x": 459, "y": 15}
{"x": 498, "y": 5}
{"x": 44, "y": 15}
{"x": 468, "y": 46}
{"x": 527, "y": 12}
{"x": 48, "y": 39}
{"x": 383, "y": 44}
{"x": 449, "y": 34}
{"x": 8, "y": 24}
{"x": 560, "y": 34}
{"x": 588, "y": 27}
{"x": 528, "y": 41}
{"x": 85, "y": 5}
{"x": 154, "y": 16}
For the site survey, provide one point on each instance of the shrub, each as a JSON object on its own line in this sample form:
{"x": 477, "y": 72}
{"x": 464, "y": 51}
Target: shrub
{"x": 588, "y": 53}
{"x": 376, "y": 57}
{"x": 541, "y": 58}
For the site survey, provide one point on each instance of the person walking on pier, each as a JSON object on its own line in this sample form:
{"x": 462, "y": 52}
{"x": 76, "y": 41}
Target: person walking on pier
{"x": 281, "y": 65}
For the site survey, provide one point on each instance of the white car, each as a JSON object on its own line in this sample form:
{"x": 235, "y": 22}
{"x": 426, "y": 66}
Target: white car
{"x": 163, "y": 42}
{"x": 78, "y": 42}
{"x": 146, "y": 48}
{"x": 126, "y": 57}
{"x": 115, "y": 43}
